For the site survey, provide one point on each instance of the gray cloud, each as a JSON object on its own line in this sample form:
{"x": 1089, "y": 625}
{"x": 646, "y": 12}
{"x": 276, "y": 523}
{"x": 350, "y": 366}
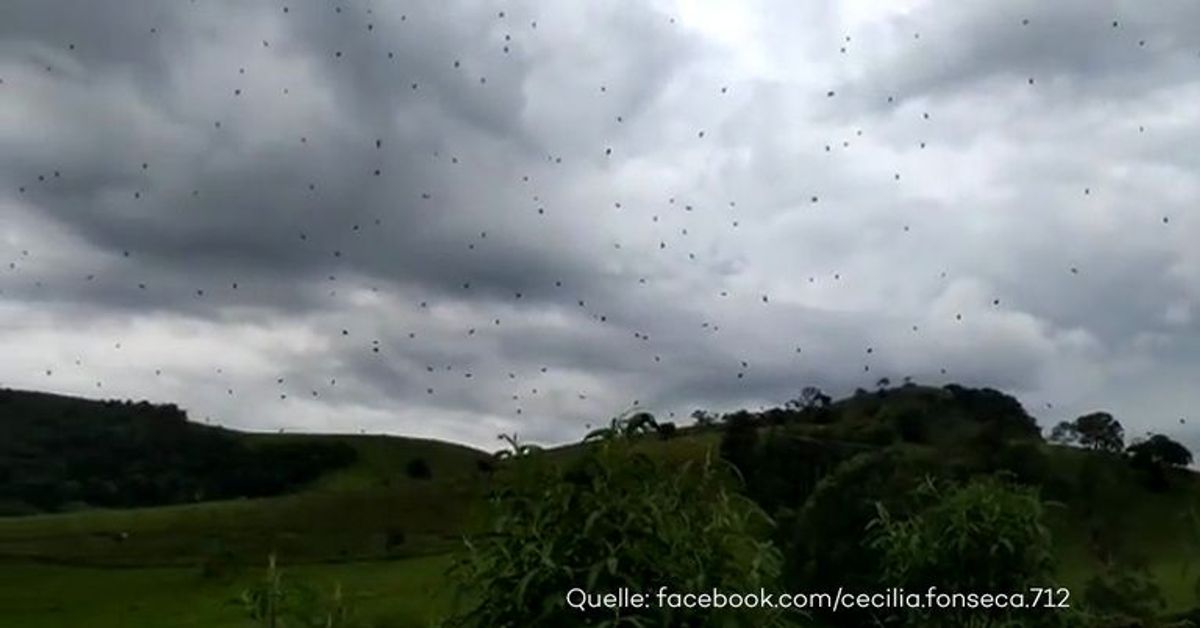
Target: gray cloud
{"x": 654, "y": 203}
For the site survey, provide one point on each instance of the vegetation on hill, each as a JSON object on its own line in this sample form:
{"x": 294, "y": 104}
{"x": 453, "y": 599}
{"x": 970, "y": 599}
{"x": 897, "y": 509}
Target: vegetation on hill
{"x": 906, "y": 486}
{"x": 608, "y": 519}
{"x": 63, "y": 453}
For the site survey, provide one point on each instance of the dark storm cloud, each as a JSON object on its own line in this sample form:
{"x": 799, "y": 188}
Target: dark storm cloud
{"x": 655, "y": 204}
{"x": 218, "y": 200}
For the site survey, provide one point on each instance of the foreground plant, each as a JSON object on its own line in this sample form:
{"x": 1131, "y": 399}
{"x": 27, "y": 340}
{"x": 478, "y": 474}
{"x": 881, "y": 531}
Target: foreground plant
{"x": 613, "y": 519}
{"x": 275, "y": 602}
{"x": 982, "y": 537}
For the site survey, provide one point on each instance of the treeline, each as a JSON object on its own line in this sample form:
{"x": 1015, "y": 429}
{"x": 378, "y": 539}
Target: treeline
{"x": 826, "y": 471}
{"x": 904, "y": 487}
{"x": 61, "y": 453}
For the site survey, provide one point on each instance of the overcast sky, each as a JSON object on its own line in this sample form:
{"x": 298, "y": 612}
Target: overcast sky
{"x": 454, "y": 219}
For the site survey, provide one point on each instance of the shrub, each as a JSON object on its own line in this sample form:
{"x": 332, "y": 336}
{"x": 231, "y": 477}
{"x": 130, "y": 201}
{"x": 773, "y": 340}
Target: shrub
{"x": 393, "y": 538}
{"x": 218, "y": 562}
{"x": 982, "y": 536}
{"x": 828, "y": 542}
{"x": 911, "y": 425}
{"x": 278, "y": 602}
{"x": 1124, "y": 596}
{"x": 611, "y": 518}
{"x": 418, "y": 469}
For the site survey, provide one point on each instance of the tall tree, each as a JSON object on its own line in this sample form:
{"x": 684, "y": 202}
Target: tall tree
{"x": 1100, "y": 431}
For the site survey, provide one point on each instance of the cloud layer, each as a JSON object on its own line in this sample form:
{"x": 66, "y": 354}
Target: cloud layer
{"x": 462, "y": 218}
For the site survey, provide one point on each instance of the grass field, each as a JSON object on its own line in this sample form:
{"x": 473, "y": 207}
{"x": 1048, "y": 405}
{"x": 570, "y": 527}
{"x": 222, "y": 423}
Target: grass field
{"x": 406, "y": 593}
{"x": 351, "y": 515}
{"x": 386, "y": 537}
{"x": 382, "y": 460}
{"x": 143, "y": 567}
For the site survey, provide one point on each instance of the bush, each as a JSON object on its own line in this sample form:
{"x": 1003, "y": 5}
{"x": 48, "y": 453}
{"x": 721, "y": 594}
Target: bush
{"x": 278, "y": 602}
{"x": 218, "y": 562}
{"x": 828, "y": 543}
{"x": 393, "y": 538}
{"x": 418, "y": 469}
{"x": 739, "y": 443}
{"x": 983, "y": 536}
{"x": 1026, "y": 460}
{"x": 911, "y": 426}
{"x": 1124, "y": 596}
{"x": 611, "y": 518}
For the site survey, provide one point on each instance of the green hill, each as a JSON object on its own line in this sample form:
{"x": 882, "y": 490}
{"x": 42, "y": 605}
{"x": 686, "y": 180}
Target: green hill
{"x": 383, "y": 520}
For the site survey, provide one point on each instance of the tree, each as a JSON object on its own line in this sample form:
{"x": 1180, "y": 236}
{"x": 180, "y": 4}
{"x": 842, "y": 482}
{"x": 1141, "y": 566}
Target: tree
{"x": 1161, "y": 450}
{"x": 612, "y": 518}
{"x": 810, "y": 397}
{"x": 1065, "y": 433}
{"x": 704, "y": 418}
{"x": 1100, "y": 431}
{"x": 1155, "y": 456}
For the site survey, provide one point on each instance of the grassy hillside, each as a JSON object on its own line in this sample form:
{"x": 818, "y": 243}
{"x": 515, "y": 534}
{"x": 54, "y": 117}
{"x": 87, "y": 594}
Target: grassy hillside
{"x": 62, "y": 453}
{"x": 395, "y": 594}
{"x": 385, "y": 532}
{"x": 370, "y": 507}
{"x": 382, "y": 461}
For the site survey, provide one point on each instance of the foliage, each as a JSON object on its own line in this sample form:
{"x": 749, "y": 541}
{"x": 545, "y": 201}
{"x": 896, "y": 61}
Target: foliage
{"x": 739, "y": 442}
{"x": 218, "y": 562}
{"x": 983, "y": 536}
{"x": 1160, "y": 450}
{"x": 993, "y": 406}
{"x": 810, "y": 397}
{"x": 1154, "y": 456}
{"x": 276, "y": 602}
{"x": 393, "y": 538}
{"x": 910, "y": 424}
{"x": 1065, "y": 433}
{"x": 827, "y": 545}
{"x": 418, "y": 469}
{"x": 612, "y": 517}
{"x": 704, "y": 418}
{"x": 787, "y": 468}
{"x": 1124, "y": 595}
{"x": 57, "y": 451}
{"x": 1097, "y": 430}
{"x": 1026, "y": 461}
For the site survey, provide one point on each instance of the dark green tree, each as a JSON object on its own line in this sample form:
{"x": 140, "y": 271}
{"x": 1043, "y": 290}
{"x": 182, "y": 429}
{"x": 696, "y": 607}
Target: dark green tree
{"x": 1160, "y": 450}
{"x": 1155, "y": 456}
{"x": 704, "y": 418}
{"x": 1065, "y": 433}
{"x": 1100, "y": 431}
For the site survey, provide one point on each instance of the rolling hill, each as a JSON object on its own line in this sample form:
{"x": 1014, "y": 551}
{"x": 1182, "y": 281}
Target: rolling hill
{"x": 384, "y": 529}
